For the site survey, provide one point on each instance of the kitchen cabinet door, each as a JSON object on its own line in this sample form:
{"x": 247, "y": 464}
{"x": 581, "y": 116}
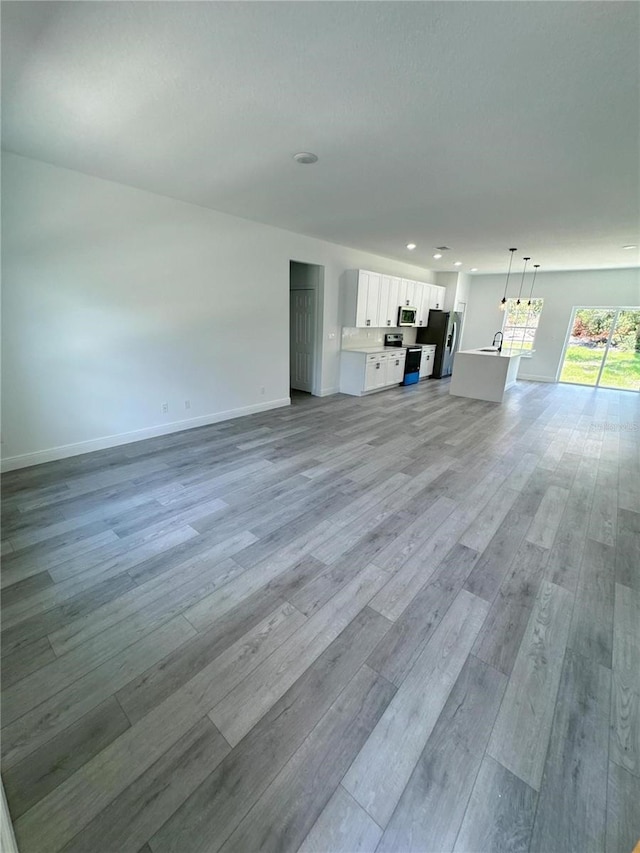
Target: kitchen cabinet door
{"x": 372, "y": 313}
{"x": 362, "y": 289}
{"x": 389, "y": 300}
{"x": 422, "y": 294}
{"x": 408, "y": 292}
{"x": 438, "y": 297}
{"x": 395, "y": 368}
{"x": 428, "y": 298}
{"x": 375, "y": 372}
{"x": 367, "y": 300}
{"x": 426, "y": 361}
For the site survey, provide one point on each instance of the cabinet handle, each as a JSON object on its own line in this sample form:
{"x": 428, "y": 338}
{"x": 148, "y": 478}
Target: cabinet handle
{"x": 368, "y": 322}
{"x": 378, "y": 366}
{"x": 388, "y": 322}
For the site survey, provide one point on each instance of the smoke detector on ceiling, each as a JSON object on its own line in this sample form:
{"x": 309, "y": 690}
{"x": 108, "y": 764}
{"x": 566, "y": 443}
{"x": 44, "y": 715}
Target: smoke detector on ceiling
{"x": 305, "y": 158}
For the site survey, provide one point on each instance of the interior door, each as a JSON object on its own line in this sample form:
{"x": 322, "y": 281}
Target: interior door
{"x": 302, "y": 315}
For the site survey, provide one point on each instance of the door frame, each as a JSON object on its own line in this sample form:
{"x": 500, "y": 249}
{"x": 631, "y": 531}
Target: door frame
{"x": 616, "y": 309}
{"x": 315, "y": 283}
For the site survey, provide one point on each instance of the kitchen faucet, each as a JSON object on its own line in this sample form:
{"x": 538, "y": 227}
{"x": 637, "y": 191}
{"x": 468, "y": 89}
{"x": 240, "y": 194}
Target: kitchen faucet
{"x": 501, "y": 339}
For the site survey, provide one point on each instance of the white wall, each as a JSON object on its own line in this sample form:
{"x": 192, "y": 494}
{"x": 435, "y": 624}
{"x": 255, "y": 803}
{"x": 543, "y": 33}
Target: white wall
{"x": 116, "y": 300}
{"x": 450, "y": 281}
{"x": 561, "y": 291}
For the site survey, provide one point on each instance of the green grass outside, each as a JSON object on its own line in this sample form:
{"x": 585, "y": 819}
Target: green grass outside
{"x": 622, "y": 369}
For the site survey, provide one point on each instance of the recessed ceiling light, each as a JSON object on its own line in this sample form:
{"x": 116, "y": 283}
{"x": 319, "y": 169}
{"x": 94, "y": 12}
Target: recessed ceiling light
{"x": 437, "y": 256}
{"x": 411, "y": 246}
{"x": 630, "y": 246}
{"x": 305, "y": 158}
{"x": 457, "y": 263}
{"x": 474, "y": 269}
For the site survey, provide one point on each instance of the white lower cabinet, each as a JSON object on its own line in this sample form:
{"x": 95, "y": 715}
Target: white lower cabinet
{"x": 364, "y": 372}
{"x": 375, "y": 373}
{"x": 426, "y": 360}
{"x": 395, "y": 367}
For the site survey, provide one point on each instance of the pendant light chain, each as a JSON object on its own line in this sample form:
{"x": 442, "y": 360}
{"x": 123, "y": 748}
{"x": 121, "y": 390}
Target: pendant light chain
{"x": 526, "y": 260}
{"x": 503, "y": 303}
{"x": 536, "y": 267}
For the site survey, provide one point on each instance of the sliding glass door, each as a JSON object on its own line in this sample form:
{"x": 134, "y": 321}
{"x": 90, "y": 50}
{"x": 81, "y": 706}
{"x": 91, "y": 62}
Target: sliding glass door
{"x": 603, "y": 348}
{"x": 621, "y": 368}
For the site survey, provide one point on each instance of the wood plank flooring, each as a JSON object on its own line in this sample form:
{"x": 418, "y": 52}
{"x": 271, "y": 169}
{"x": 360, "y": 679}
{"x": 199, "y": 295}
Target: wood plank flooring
{"x": 406, "y": 622}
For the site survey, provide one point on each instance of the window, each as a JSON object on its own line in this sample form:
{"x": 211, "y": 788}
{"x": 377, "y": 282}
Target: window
{"x": 521, "y": 323}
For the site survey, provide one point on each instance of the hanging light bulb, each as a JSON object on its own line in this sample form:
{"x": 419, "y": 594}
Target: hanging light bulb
{"x": 503, "y": 301}
{"x": 522, "y": 279}
{"x": 536, "y": 267}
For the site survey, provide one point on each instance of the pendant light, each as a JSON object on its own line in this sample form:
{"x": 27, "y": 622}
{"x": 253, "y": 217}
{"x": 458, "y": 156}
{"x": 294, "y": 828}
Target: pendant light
{"x": 536, "y": 267}
{"x": 503, "y": 302}
{"x": 526, "y": 260}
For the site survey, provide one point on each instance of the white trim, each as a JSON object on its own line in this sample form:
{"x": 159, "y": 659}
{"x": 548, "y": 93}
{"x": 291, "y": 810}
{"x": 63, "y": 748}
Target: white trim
{"x": 7, "y": 838}
{"x": 536, "y": 378}
{"x": 327, "y": 392}
{"x": 566, "y": 342}
{"x": 40, "y": 456}
{"x": 315, "y": 283}
{"x": 608, "y": 346}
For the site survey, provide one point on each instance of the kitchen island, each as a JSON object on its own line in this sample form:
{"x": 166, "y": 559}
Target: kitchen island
{"x": 484, "y": 374}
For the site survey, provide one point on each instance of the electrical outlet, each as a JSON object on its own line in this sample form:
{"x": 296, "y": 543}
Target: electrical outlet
{"x": 165, "y": 408}
{"x": 187, "y": 404}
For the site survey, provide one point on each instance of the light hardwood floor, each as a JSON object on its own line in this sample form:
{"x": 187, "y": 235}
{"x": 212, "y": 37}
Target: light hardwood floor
{"x": 407, "y": 622}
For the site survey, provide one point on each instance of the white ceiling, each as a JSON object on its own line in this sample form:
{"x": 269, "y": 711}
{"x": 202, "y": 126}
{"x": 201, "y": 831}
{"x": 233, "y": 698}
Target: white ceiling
{"x": 477, "y": 125}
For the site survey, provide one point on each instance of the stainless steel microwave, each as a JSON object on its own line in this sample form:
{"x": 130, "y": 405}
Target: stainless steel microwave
{"x": 407, "y": 316}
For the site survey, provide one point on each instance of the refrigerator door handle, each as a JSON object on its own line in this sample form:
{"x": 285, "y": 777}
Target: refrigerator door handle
{"x": 454, "y": 335}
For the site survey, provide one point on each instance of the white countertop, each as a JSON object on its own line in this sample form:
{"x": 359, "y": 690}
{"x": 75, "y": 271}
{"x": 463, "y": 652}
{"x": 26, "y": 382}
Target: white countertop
{"x": 495, "y": 354}
{"x": 379, "y": 348}
{"x": 383, "y": 348}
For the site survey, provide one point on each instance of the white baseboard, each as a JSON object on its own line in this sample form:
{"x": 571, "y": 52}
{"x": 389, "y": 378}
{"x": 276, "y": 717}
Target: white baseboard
{"x": 38, "y": 457}
{"x": 327, "y": 392}
{"x": 536, "y": 378}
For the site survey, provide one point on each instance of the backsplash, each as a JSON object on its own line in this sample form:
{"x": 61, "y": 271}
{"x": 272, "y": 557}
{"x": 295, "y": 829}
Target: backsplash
{"x": 356, "y": 338}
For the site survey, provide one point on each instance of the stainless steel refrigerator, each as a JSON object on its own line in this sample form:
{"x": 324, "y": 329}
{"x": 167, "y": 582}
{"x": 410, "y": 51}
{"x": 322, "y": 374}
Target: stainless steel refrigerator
{"x": 443, "y": 330}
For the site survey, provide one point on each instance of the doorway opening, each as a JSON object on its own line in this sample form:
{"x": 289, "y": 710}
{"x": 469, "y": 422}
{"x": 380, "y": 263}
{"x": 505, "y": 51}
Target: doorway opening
{"x": 306, "y": 290}
{"x": 602, "y": 349}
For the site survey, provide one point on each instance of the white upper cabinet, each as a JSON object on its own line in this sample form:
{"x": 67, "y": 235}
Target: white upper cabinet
{"x": 389, "y": 300}
{"x": 437, "y": 296}
{"x": 424, "y": 305}
{"x": 372, "y": 313}
{"x": 361, "y": 307}
{"x": 371, "y": 300}
{"x": 408, "y": 292}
